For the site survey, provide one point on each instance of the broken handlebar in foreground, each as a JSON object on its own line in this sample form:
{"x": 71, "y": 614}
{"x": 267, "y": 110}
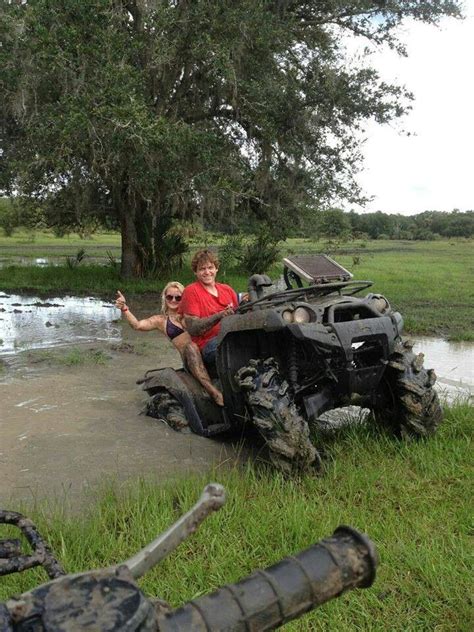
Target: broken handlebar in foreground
{"x": 107, "y": 600}
{"x": 267, "y": 599}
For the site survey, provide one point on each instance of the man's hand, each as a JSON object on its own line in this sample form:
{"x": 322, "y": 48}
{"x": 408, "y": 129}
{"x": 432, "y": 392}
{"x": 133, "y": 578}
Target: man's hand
{"x": 198, "y": 326}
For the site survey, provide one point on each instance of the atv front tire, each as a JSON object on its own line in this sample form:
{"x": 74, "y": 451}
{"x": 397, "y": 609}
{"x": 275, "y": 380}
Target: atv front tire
{"x": 409, "y": 405}
{"x": 274, "y": 413}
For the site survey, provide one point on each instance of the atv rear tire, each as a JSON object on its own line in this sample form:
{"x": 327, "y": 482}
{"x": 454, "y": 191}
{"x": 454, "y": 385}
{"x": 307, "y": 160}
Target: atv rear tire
{"x": 164, "y": 407}
{"x": 411, "y": 406}
{"x": 275, "y": 415}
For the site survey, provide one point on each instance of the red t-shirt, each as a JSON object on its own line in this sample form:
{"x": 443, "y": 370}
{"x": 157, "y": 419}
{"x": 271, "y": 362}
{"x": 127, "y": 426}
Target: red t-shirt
{"x": 197, "y": 301}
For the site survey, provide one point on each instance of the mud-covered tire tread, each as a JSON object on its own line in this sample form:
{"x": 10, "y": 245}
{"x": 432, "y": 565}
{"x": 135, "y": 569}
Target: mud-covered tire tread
{"x": 276, "y": 416}
{"x": 164, "y": 407}
{"x": 414, "y": 410}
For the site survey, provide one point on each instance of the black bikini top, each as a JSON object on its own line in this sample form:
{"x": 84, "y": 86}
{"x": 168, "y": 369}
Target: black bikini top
{"x": 172, "y": 330}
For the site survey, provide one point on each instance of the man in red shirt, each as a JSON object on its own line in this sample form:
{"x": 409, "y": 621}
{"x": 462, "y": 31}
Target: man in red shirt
{"x": 205, "y": 303}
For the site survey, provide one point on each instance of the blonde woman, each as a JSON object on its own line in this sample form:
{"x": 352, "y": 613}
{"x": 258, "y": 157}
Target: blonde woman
{"x": 169, "y": 323}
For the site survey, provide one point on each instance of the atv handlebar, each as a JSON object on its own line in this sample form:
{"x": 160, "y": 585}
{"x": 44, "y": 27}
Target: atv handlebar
{"x": 267, "y": 599}
{"x": 345, "y": 288}
{"x": 111, "y": 600}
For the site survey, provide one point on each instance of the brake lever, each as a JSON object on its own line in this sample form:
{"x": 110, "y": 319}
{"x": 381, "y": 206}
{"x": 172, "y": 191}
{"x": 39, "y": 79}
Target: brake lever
{"x": 212, "y": 499}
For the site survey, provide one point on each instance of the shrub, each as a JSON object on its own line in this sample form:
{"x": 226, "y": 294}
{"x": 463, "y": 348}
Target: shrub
{"x": 73, "y": 262}
{"x": 231, "y": 252}
{"x": 259, "y": 254}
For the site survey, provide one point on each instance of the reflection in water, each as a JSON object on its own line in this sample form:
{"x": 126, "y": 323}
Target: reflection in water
{"x": 30, "y": 323}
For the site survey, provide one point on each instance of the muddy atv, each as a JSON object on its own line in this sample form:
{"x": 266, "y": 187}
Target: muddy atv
{"x": 286, "y": 357}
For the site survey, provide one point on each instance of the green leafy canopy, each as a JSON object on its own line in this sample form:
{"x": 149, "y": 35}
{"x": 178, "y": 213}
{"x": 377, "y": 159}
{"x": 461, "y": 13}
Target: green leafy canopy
{"x": 143, "y": 108}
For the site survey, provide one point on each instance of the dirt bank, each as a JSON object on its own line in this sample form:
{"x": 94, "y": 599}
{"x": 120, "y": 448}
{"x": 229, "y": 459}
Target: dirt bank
{"x": 64, "y": 429}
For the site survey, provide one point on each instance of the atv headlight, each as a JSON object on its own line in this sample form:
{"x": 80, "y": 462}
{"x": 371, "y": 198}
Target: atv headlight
{"x": 287, "y": 316}
{"x": 301, "y": 315}
{"x": 380, "y": 303}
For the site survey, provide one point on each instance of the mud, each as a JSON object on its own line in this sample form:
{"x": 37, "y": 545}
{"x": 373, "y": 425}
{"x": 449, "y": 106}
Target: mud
{"x": 65, "y": 430}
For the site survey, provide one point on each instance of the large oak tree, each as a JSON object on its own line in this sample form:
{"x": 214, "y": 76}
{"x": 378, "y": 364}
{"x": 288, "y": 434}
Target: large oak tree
{"x": 145, "y": 110}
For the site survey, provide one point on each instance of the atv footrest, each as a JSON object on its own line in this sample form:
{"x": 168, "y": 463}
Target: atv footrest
{"x": 216, "y": 429}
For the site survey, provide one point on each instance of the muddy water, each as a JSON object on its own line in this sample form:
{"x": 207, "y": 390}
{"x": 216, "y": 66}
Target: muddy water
{"x": 66, "y": 429}
{"x": 453, "y": 363}
{"x": 42, "y": 262}
{"x": 28, "y": 322}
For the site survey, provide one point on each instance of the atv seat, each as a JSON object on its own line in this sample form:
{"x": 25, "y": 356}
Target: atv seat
{"x": 314, "y": 269}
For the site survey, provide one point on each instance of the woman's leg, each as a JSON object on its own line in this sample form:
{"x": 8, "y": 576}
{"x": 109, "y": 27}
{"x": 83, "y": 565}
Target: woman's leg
{"x": 193, "y": 359}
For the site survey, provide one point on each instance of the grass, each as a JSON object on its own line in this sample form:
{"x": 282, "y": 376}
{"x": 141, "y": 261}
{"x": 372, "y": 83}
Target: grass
{"x": 71, "y": 357}
{"x": 411, "y": 498}
{"x": 430, "y": 283}
{"x": 25, "y": 243}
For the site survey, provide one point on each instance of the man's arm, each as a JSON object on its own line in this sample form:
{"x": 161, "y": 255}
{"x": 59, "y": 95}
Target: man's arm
{"x": 198, "y": 326}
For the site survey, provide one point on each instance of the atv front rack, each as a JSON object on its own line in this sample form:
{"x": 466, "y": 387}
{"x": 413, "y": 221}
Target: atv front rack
{"x": 314, "y": 269}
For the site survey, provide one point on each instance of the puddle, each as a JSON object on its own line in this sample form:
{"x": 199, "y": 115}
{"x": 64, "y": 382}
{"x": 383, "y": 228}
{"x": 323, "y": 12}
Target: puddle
{"x": 38, "y": 262}
{"x": 42, "y": 262}
{"x": 28, "y": 322}
{"x": 453, "y": 363}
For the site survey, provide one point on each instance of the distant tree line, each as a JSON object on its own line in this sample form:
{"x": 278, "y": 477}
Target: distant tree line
{"x": 332, "y": 224}
{"x": 425, "y": 226}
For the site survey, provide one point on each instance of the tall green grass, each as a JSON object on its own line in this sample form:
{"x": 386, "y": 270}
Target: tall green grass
{"x": 93, "y": 279}
{"x": 412, "y": 499}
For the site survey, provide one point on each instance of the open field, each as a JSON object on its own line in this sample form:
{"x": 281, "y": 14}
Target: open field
{"x": 429, "y": 282}
{"x": 411, "y": 498}
{"x": 44, "y": 244}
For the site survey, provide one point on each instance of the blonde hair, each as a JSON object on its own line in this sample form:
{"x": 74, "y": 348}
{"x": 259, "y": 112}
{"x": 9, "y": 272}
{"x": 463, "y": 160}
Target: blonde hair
{"x": 179, "y": 286}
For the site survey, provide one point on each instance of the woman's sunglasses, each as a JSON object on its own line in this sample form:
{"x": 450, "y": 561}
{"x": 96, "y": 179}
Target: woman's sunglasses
{"x": 171, "y": 297}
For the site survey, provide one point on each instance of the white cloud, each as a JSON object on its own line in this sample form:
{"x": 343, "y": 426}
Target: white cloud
{"x": 432, "y": 169}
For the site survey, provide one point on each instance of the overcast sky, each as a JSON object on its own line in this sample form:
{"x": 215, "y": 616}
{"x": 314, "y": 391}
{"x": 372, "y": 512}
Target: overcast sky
{"x": 432, "y": 169}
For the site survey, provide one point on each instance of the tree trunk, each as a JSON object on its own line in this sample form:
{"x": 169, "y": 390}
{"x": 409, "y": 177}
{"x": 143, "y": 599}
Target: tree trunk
{"x": 130, "y": 263}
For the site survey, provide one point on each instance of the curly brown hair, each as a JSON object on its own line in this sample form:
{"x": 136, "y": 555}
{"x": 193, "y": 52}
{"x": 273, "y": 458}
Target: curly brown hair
{"x": 203, "y": 256}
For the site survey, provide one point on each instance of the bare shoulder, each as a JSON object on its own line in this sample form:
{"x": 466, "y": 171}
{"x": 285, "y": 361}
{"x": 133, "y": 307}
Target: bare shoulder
{"x": 159, "y": 319}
